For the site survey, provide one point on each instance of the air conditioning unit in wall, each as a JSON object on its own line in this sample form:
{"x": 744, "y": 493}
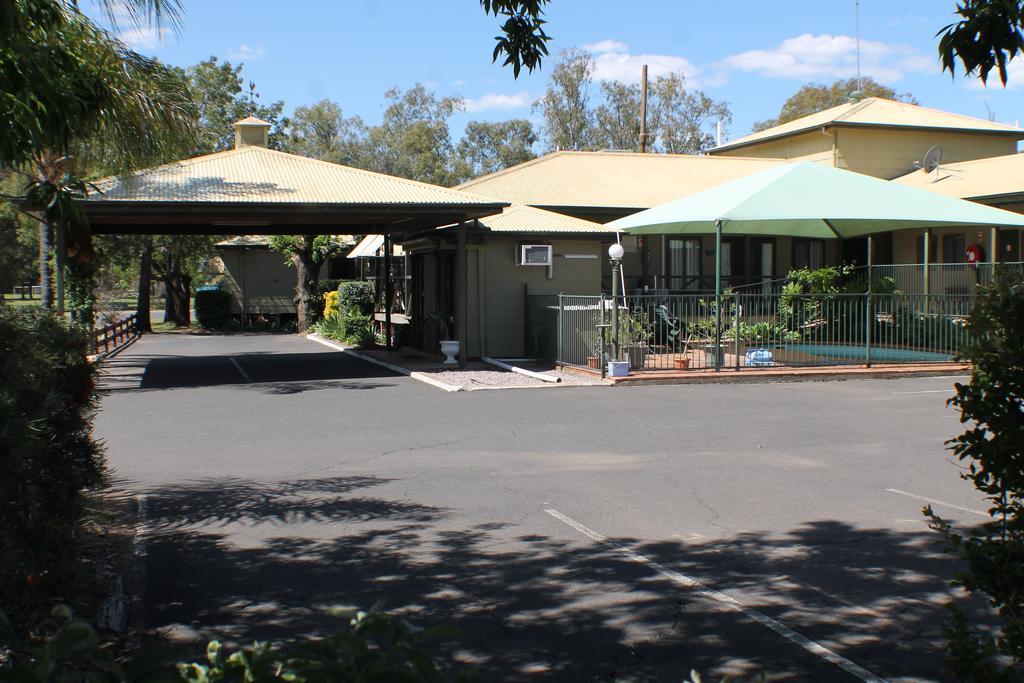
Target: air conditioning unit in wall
{"x": 535, "y": 255}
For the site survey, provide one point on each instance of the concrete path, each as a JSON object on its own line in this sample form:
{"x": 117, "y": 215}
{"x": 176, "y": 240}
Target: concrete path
{"x": 592, "y": 534}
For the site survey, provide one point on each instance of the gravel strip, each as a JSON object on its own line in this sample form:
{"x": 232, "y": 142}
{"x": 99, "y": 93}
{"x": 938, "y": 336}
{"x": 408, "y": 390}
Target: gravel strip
{"x": 492, "y": 379}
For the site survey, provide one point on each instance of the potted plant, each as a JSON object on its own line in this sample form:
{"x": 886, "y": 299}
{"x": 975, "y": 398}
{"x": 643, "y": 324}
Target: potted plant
{"x": 682, "y": 361}
{"x": 635, "y": 331}
{"x": 449, "y": 347}
{"x": 592, "y": 340}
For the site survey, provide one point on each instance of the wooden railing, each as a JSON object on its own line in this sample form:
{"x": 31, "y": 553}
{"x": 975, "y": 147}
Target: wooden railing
{"x": 117, "y": 334}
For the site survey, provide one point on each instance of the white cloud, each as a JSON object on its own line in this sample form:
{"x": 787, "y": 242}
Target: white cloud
{"x": 458, "y": 82}
{"x": 498, "y": 101}
{"x": 606, "y": 46}
{"x": 826, "y": 56}
{"x": 248, "y": 53}
{"x": 147, "y": 38}
{"x": 613, "y": 62}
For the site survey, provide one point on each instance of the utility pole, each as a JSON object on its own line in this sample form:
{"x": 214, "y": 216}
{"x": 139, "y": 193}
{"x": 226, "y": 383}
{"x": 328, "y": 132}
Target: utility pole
{"x": 860, "y": 83}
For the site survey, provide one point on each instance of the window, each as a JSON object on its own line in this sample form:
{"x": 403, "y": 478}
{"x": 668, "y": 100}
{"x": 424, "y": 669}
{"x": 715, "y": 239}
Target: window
{"x": 953, "y": 249}
{"x": 808, "y": 254}
{"x": 684, "y": 257}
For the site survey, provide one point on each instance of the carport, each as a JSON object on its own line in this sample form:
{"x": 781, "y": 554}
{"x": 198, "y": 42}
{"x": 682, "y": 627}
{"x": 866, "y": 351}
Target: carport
{"x": 252, "y": 189}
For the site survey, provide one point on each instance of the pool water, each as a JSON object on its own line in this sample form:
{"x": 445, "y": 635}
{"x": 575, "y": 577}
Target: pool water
{"x": 845, "y": 352}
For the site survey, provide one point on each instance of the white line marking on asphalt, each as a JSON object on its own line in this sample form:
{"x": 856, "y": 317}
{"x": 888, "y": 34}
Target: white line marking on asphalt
{"x": 934, "y": 501}
{"x": 241, "y": 371}
{"x": 717, "y": 596}
{"x": 928, "y": 391}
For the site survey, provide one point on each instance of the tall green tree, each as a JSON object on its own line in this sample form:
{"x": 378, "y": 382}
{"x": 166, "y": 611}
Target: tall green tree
{"x": 63, "y": 78}
{"x": 679, "y": 121}
{"x": 221, "y": 97}
{"x": 617, "y": 119}
{"x": 307, "y": 254}
{"x": 814, "y": 97}
{"x": 322, "y": 132}
{"x": 566, "y": 103}
{"x": 79, "y": 103}
{"x": 413, "y": 139}
{"x": 487, "y": 147}
{"x": 19, "y": 240}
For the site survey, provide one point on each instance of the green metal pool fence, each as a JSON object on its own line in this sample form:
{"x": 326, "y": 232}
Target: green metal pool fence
{"x": 679, "y": 332}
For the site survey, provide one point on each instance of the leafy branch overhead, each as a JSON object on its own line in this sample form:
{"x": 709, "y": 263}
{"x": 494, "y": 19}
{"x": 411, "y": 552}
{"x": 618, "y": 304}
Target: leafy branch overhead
{"x": 522, "y": 39}
{"x": 987, "y": 36}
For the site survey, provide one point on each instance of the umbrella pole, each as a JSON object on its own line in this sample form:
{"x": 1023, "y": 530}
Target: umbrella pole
{"x": 718, "y": 295}
{"x": 869, "y": 317}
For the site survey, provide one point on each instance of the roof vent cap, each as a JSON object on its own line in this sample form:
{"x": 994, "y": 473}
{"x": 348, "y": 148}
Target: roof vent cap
{"x": 251, "y": 132}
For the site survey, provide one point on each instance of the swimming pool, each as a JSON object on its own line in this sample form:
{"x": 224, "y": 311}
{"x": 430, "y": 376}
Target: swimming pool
{"x": 847, "y": 353}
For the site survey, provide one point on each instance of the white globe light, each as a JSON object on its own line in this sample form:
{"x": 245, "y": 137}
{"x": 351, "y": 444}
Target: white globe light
{"x": 616, "y": 251}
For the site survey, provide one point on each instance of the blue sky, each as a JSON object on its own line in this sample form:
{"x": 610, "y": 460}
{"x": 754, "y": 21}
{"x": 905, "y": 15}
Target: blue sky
{"x": 751, "y": 54}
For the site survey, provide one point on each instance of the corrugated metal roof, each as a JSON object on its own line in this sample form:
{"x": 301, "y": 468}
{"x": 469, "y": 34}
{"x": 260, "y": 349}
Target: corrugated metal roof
{"x": 522, "y": 218}
{"x": 876, "y": 111}
{"x": 265, "y": 176}
{"x": 610, "y": 179}
{"x": 996, "y": 176}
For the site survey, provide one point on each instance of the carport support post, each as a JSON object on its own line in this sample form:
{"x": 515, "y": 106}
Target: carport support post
{"x": 388, "y": 291}
{"x": 461, "y": 279}
{"x": 869, "y": 318}
{"x": 994, "y": 241}
{"x": 927, "y": 250}
{"x": 718, "y": 295}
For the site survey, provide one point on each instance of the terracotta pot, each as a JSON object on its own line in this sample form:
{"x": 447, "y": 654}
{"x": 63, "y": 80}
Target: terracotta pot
{"x": 593, "y": 362}
{"x": 682, "y": 363}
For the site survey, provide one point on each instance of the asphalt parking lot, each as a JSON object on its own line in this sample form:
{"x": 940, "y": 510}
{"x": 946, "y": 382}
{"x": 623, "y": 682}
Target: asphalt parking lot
{"x": 589, "y": 533}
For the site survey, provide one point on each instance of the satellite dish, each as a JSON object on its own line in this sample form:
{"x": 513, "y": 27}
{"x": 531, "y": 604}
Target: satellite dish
{"x": 931, "y": 159}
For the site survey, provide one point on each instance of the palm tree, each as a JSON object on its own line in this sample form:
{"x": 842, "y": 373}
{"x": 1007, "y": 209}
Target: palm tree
{"x": 80, "y": 103}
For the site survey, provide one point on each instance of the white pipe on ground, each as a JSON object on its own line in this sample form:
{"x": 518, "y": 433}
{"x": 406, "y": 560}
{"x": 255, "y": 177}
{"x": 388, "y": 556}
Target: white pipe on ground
{"x": 511, "y": 368}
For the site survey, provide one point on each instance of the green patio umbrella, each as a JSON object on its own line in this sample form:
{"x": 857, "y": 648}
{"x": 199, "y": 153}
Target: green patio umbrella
{"x": 808, "y": 200}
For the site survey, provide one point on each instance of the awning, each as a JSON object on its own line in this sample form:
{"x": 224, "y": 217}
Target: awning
{"x": 370, "y": 247}
{"x": 367, "y": 247}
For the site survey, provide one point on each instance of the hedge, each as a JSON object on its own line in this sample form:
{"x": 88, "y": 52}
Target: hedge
{"x": 213, "y": 309}
{"x": 48, "y": 456}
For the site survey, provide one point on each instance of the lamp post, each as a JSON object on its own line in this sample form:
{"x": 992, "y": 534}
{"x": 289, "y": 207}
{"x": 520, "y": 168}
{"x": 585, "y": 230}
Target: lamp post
{"x": 615, "y": 253}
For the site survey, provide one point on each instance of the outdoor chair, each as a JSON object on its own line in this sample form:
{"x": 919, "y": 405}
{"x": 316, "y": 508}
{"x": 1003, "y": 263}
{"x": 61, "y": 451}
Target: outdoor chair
{"x": 668, "y": 329}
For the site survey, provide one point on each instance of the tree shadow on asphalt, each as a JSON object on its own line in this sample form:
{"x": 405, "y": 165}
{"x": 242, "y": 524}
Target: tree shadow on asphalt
{"x": 537, "y": 605}
{"x": 306, "y": 371}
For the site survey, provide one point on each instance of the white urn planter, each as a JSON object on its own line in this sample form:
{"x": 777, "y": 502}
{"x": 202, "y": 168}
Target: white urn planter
{"x": 450, "y": 349}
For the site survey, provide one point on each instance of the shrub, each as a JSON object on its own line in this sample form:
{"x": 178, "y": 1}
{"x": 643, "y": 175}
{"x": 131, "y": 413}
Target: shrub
{"x": 213, "y": 309}
{"x": 991, "y": 557}
{"x": 329, "y": 284}
{"x": 47, "y": 453}
{"x": 356, "y": 295}
{"x": 331, "y": 327}
{"x": 330, "y": 304}
{"x": 375, "y": 646}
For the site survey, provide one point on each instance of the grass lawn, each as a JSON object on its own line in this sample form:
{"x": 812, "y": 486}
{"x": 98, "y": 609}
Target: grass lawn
{"x": 21, "y": 303}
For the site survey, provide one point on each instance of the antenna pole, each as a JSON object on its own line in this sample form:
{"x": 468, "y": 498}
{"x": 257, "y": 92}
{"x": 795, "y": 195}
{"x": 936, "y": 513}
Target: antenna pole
{"x": 643, "y": 108}
{"x": 860, "y": 84}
